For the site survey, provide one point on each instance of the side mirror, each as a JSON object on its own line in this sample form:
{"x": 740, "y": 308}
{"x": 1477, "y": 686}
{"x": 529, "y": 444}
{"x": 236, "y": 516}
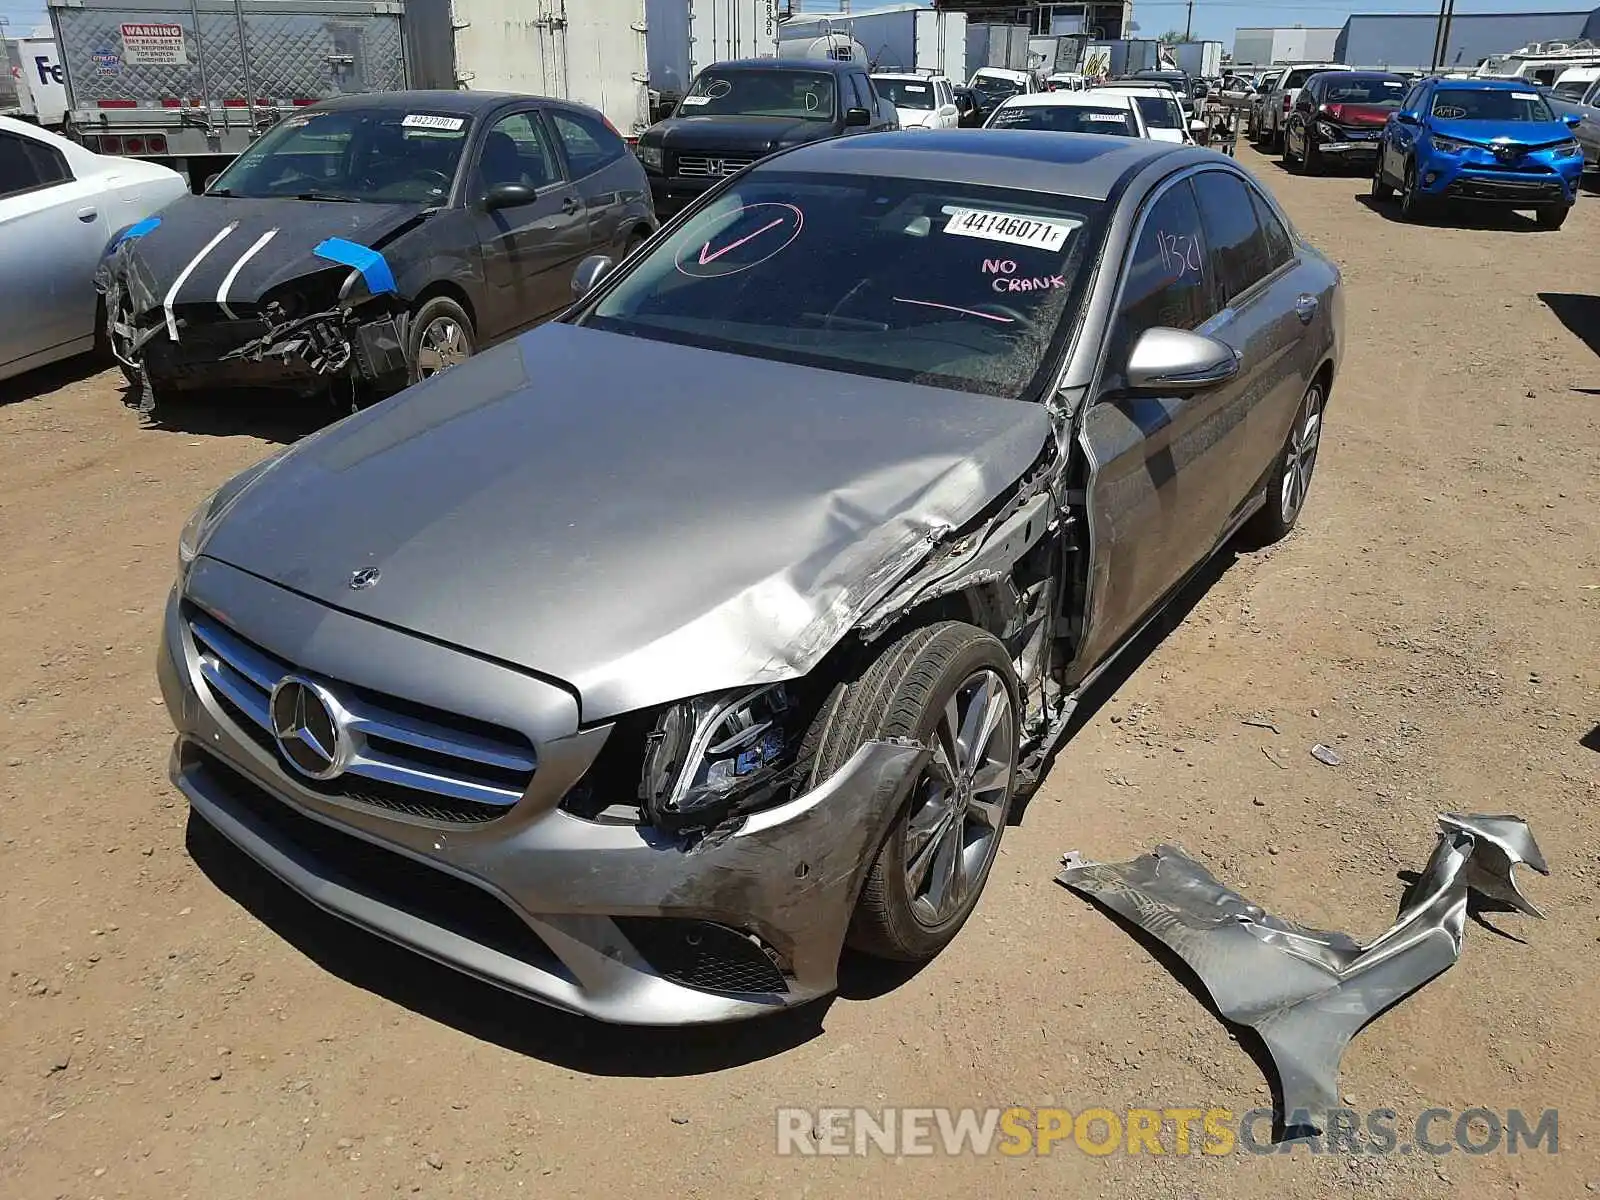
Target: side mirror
{"x": 1176, "y": 360}
{"x": 1572, "y": 120}
{"x": 856, "y": 118}
{"x": 590, "y": 272}
{"x": 508, "y": 195}
{"x": 1199, "y": 128}
{"x": 1408, "y": 118}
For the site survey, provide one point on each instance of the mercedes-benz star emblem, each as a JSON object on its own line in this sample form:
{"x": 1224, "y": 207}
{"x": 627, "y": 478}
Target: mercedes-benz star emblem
{"x": 364, "y": 578}
{"x": 306, "y": 724}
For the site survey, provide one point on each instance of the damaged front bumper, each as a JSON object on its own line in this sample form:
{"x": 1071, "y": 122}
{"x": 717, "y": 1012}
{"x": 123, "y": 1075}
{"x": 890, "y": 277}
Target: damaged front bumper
{"x": 360, "y": 337}
{"x": 1306, "y": 991}
{"x": 617, "y": 921}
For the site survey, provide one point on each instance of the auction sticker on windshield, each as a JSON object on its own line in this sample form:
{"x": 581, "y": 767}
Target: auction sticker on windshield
{"x": 1039, "y": 232}
{"x": 430, "y": 121}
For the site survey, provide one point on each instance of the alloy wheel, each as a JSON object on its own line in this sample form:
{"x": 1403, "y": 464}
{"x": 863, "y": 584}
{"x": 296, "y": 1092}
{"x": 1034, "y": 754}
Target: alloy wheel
{"x": 1301, "y": 458}
{"x": 959, "y": 806}
{"x": 443, "y": 345}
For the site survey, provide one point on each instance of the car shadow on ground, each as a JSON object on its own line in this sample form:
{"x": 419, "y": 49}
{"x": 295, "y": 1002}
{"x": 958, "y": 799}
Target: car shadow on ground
{"x": 42, "y": 381}
{"x": 1456, "y": 216}
{"x": 478, "y": 1009}
{"x": 277, "y": 417}
{"x": 1131, "y": 659}
{"x": 1580, "y": 314}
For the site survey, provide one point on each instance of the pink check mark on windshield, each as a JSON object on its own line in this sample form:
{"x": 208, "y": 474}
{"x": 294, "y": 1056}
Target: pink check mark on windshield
{"x": 707, "y": 256}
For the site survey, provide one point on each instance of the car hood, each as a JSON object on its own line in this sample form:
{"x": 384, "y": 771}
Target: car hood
{"x": 916, "y": 118}
{"x": 643, "y": 520}
{"x": 754, "y": 134}
{"x": 153, "y": 262}
{"x": 1517, "y": 133}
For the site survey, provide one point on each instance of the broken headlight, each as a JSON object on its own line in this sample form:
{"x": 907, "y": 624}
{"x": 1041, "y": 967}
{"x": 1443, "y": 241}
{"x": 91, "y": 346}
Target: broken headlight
{"x": 711, "y": 754}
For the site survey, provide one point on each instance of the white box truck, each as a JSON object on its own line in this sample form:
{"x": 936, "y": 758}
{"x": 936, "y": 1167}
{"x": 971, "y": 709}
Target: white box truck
{"x": 38, "y": 86}
{"x": 903, "y": 37}
{"x": 1199, "y": 60}
{"x": 997, "y": 46}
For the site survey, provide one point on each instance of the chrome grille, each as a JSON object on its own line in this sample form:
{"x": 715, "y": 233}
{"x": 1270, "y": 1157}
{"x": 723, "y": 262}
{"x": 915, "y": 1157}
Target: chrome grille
{"x": 418, "y": 761}
{"x": 713, "y": 166}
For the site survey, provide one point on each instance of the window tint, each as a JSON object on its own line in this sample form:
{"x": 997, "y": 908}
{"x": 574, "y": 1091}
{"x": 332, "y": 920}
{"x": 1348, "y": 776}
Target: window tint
{"x": 863, "y": 92}
{"x": 588, "y": 143}
{"x": 26, "y": 165}
{"x": 1066, "y": 118}
{"x": 1280, "y": 246}
{"x": 517, "y": 150}
{"x": 1238, "y": 247}
{"x": 1413, "y": 99}
{"x": 1166, "y": 279}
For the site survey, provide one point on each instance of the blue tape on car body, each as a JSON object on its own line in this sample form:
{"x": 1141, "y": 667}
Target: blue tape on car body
{"x": 137, "y": 230}
{"x": 373, "y": 266}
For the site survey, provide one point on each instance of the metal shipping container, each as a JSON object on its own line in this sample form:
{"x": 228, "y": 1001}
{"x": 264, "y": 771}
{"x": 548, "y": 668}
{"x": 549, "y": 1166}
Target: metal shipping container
{"x": 199, "y": 80}
{"x": 904, "y": 37}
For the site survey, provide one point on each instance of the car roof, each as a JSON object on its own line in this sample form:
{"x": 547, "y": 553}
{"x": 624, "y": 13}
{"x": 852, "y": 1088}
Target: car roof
{"x": 1139, "y": 88}
{"x": 1085, "y": 165}
{"x": 1002, "y": 72}
{"x": 1087, "y": 98}
{"x": 909, "y": 76}
{"x": 1578, "y": 74}
{"x": 1487, "y": 85}
{"x": 440, "y": 100}
{"x": 829, "y": 65}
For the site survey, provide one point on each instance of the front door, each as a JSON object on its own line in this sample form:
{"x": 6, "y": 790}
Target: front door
{"x": 529, "y": 250}
{"x": 1155, "y": 460}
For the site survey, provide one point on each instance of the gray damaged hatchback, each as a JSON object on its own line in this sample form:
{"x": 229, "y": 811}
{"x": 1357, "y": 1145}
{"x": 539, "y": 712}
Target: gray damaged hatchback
{"x": 640, "y": 663}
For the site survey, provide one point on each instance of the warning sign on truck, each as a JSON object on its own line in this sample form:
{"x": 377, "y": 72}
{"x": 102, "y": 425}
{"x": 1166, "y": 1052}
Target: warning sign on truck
{"x": 153, "y": 45}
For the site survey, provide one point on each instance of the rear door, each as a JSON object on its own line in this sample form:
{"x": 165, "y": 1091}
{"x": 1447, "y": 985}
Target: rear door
{"x": 1259, "y": 307}
{"x": 1158, "y": 462}
{"x": 601, "y": 169}
{"x": 529, "y": 250}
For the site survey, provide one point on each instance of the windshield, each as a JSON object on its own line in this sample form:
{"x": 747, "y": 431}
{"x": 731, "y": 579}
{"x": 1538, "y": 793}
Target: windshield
{"x": 799, "y": 95}
{"x": 905, "y": 93}
{"x": 995, "y": 86}
{"x": 951, "y": 285}
{"x": 1297, "y": 79}
{"x": 1571, "y": 89}
{"x": 1159, "y": 112}
{"x": 1490, "y": 104}
{"x": 388, "y": 156}
{"x": 1066, "y": 118}
{"x": 1384, "y": 90}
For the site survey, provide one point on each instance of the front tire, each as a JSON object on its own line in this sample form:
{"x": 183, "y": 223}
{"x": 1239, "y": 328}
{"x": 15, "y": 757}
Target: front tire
{"x": 1412, "y": 206}
{"x": 1552, "y": 216}
{"x": 1380, "y": 186}
{"x": 1289, "y": 480}
{"x": 1289, "y": 162}
{"x": 440, "y": 337}
{"x": 950, "y": 686}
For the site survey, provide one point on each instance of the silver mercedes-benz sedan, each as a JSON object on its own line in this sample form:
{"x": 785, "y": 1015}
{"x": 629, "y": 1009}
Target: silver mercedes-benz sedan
{"x": 639, "y": 664}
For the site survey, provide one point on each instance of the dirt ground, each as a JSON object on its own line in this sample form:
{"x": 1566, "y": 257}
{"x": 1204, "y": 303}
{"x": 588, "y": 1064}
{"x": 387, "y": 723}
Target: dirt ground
{"x": 177, "y": 1024}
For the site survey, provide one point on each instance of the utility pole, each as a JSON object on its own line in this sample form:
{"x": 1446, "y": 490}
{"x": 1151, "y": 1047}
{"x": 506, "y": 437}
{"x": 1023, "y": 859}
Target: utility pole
{"x": 1188, "y": 24}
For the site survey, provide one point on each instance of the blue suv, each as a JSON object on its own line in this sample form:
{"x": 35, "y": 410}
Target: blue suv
{"x": 1481, "y": 140}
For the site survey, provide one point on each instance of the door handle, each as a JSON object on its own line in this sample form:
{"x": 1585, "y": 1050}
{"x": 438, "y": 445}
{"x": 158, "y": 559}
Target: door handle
{"x": 87, "y": 214}
{"x": 569, "y": 205}
{"x": 1305, "y": 307}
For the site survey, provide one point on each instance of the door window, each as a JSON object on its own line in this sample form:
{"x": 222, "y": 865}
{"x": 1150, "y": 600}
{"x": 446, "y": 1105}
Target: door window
{"x": 1165, "y": 285}
{"x": 27, "y": 165}
{"x": 588, "y": 143}
{"x": 517, "y": 150}
{"x": 862, "y": 100}
{"x": 1236, "y": 244}
{"x": 1280, "y": 246}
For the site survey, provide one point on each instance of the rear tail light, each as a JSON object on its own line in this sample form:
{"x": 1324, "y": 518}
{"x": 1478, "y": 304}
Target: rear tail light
{"x": 133, "y": 145}
{"x": 1287, "y": 103}
{"x": 117, "y": 104}
{"x": 156, "y": 144}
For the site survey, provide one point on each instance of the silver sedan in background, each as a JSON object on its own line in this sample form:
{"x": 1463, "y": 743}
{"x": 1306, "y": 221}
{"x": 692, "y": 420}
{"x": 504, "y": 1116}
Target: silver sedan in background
{"x": 60, "y": 205}
{"x": 639, "y": 663}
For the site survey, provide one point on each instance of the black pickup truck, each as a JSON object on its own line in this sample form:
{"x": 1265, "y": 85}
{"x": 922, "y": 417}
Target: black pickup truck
{"x": 738, "y": 112}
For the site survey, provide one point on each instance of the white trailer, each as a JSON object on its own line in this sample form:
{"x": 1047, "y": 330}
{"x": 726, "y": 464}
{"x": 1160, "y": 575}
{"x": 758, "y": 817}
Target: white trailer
{"x": 997, "y": 46}
{"x": 1200, "y": 60}
{"x": 608, "y": 54}
{"x": 904, "y": 37}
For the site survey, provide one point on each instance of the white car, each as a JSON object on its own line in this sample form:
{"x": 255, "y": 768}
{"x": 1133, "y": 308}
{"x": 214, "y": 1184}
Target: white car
{"x": 1113, "y": 113}
{"x": 921, "y": 101}
{"x": 1065, "y": 81}
{"x": 59, "y": 207}
{"x": 992, "y": 86}
{"x": 1279, "y": 103}
{"x": 1158, "y": 106}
